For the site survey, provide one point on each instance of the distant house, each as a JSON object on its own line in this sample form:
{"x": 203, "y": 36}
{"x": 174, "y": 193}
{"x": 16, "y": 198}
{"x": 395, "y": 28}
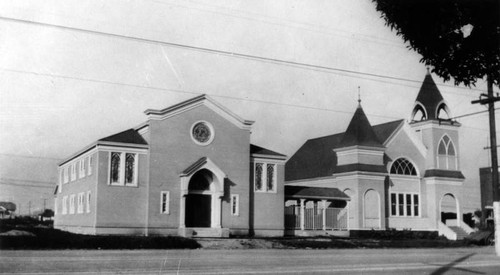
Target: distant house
{"x": 402, "y": 175}
{"x": 189, "y": 170}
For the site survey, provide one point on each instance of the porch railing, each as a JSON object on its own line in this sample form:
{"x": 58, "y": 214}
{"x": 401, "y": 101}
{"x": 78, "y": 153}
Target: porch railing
{"x": 315, "y": 218}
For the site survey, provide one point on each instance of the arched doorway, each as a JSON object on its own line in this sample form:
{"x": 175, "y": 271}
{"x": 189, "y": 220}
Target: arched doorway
{"x": 199, "y": 199}
{"x": 371, "y": 209}
{"x": 449, "y": 213}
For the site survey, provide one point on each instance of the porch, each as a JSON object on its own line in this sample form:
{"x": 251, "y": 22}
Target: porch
{"x": 312, "y": 211}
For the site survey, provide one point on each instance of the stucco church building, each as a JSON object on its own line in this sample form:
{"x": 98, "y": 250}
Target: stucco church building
{"x": 191, "y": 170}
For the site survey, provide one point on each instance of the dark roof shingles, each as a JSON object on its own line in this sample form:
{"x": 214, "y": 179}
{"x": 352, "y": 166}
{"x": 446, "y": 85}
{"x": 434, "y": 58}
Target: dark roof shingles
{"x": 315, "y": 192}
{"x": 128, "y": 136}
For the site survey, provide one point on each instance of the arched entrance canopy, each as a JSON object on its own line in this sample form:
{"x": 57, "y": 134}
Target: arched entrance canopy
{"x": 202, "y": 189}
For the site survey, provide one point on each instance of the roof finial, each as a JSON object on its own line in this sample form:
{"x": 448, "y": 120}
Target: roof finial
{"x": 359, "y": 95}
{"x": 428, "y": 69}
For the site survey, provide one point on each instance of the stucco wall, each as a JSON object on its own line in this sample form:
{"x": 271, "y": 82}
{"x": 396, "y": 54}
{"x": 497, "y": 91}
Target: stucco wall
{"x": 77, "y": 222}
{"x": 172, "y": 150}
{"x": 121, "y": 207}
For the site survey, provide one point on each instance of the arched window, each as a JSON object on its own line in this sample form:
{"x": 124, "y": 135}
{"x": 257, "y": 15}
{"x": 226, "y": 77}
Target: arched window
{"x": 447, "y": 156}
{"x": 403, "y": 166}
{"x": 419, "y": 113}
{"x": 442, "y": 112}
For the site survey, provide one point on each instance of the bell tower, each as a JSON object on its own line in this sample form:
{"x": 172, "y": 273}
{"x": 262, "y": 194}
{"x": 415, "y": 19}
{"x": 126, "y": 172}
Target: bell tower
{"x": 431, "y": 121}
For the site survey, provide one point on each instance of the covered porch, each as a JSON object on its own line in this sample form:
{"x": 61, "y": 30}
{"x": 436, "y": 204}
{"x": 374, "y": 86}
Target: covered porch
{"x": 312, "y": 211}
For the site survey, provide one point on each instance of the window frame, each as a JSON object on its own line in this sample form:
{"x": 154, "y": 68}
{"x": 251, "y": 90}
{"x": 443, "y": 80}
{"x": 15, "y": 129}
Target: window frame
{"x": 88, "y": 202}
{"x": 90, "y": 163}
{"x": 235, "y": 198}
{"x": 64, "y": 209}
{"x": 73, "y": 171}
{"x": 446, "y": 156}
{"x": 404, "y": 204}
{"x": 409, "y": 166}
{"x": 66, "y": 174}
{"x": 72, "y": 204}
{"x": 79, "y": 208}
{"x": 81, "y": 168}
{"x": 122, "y": 169}
{"x": 165, "y": 202}
{"x": 264, "y": 177}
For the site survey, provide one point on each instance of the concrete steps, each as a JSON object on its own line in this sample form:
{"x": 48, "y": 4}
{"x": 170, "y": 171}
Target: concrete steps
{"x": 461, "y": 234}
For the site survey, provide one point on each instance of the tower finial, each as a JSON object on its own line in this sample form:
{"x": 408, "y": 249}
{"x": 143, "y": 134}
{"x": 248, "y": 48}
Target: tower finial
{"x": 359, "y": 95}
{"x": 428, "y": 69}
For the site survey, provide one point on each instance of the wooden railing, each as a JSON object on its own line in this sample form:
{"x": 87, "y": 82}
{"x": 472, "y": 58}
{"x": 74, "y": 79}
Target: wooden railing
{"x": 316, "y": 218}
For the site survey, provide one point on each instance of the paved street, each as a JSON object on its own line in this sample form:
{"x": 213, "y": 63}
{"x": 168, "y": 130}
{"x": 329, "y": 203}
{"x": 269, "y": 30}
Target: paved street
{"x": 341, "y": 261}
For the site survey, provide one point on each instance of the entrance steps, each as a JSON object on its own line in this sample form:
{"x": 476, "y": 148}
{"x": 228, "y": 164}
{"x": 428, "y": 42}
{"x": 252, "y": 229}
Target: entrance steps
{"x": 461, "y": 234}
{"x": 204, "y": 232}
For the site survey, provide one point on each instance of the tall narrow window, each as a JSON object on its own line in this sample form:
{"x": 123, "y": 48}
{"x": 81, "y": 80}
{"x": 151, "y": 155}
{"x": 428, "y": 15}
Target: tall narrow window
{"x": 65, "y": 205}
{"x": 258, "y": 176}
{"x": 66, "y": 176}
{"x": 408, "y": 205}
{"x": 73, "y": 171}
{"x": 80, "y": 203}
{"x": 401, "y": 200}
{"x": 235, "y": 205}
{"x": 115, "y": 167}
{"x": 393, "y": 205}
{"x": 88, "y": 201}
{"x": 270, "y": 177}
{"x": 81, "y": 168}
{"x": 129, "y": 168}
{"x": 72, "y": 204}
{"x": 415, "y": 205}
{"x": 165, "y": 202}
{"x": 447, "y": 156}
{"x": 90, "y": 165}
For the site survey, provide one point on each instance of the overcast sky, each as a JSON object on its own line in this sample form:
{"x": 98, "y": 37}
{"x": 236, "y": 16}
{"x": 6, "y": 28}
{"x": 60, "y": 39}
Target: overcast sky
{"x": 72, "y": 72}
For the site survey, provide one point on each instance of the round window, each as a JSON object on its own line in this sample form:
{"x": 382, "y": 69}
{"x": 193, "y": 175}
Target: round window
{"x": 202, "y": 133}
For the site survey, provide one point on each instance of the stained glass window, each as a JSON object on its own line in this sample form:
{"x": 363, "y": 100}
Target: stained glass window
{"x": 447, "y": 155}
{"x": 403, "y": 166}
{"x": 258, "y": 176}
{"x": 115, "y": 167}
{"x": 270, "y": 177}
{"x": 129, "y": 168}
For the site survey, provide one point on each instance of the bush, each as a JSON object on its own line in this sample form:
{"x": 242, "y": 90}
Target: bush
{"x": 47, "y": 238}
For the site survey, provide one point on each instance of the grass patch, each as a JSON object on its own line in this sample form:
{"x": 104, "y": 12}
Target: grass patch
{"x": 46, "y": 237}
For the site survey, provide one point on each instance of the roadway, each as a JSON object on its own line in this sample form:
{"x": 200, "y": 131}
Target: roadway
{"x": 252, "y": 261}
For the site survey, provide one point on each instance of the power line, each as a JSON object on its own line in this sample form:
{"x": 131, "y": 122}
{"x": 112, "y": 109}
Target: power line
{"x": 471, "y": 114}
{"x": 26, "y": 185}
{"x": 23, "y": 180}
{"x": 27, "y": 156}
{"x": 225, "y": 53}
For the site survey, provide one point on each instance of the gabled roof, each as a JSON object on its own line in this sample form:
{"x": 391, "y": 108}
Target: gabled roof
{"x": 316, "y": 157}
{"x": 257, "y": 150}
{"x": 197, "y": 101}
{"x": 302, "y": 192}
{"x": 429, "y": 96}
{"x": 360, "y": 132}
{"x": 128, "y": 136}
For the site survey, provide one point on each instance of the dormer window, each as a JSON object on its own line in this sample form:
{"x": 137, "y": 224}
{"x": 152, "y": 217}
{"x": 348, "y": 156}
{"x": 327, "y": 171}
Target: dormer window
{"x": 447, "y": 155}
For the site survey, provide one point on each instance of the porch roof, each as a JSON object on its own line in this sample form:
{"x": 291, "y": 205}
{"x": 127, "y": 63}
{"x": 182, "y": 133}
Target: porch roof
{"x": 303, "y": 192}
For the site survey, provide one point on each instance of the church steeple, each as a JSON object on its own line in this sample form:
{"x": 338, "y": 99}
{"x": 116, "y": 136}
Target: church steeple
{"x": 360, "y": 132}
{"x": 429, "y": 104}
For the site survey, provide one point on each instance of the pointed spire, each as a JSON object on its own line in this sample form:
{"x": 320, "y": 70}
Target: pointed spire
{"x": 359, "y": 95}
{"x": 429, "y": 97}
{"x": 360, "y": 132}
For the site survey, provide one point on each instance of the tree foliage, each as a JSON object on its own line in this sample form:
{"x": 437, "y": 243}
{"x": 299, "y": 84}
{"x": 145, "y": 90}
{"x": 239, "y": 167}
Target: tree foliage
{"x": 460, "y": 39}
{"x": 10, "y": 206}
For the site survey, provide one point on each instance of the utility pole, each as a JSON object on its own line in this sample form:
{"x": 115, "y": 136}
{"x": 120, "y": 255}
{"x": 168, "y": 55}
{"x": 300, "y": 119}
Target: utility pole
{"x": 490, "y": 99}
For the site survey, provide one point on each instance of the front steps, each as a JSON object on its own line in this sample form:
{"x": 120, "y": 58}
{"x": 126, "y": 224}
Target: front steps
{"x": 204, "y": 232}
{"x": 461, "y": 234}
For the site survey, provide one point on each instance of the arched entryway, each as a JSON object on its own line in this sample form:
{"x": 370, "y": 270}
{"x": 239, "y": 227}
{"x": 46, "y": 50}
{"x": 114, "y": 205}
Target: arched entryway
{"x": 449, "y": 210}
{"x": 199, "y": 200}
{"x": 371, "y": 209}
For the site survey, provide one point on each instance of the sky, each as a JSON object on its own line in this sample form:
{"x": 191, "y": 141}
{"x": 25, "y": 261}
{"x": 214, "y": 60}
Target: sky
{"x": 72, "y": 72}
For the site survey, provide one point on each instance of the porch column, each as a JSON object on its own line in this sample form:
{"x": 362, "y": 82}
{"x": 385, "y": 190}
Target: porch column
{"x": 182, "y": 212}
{"x": 302, "y": 210}
{"x": 324, "y": 214}
{"x": 216, "y": 211}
